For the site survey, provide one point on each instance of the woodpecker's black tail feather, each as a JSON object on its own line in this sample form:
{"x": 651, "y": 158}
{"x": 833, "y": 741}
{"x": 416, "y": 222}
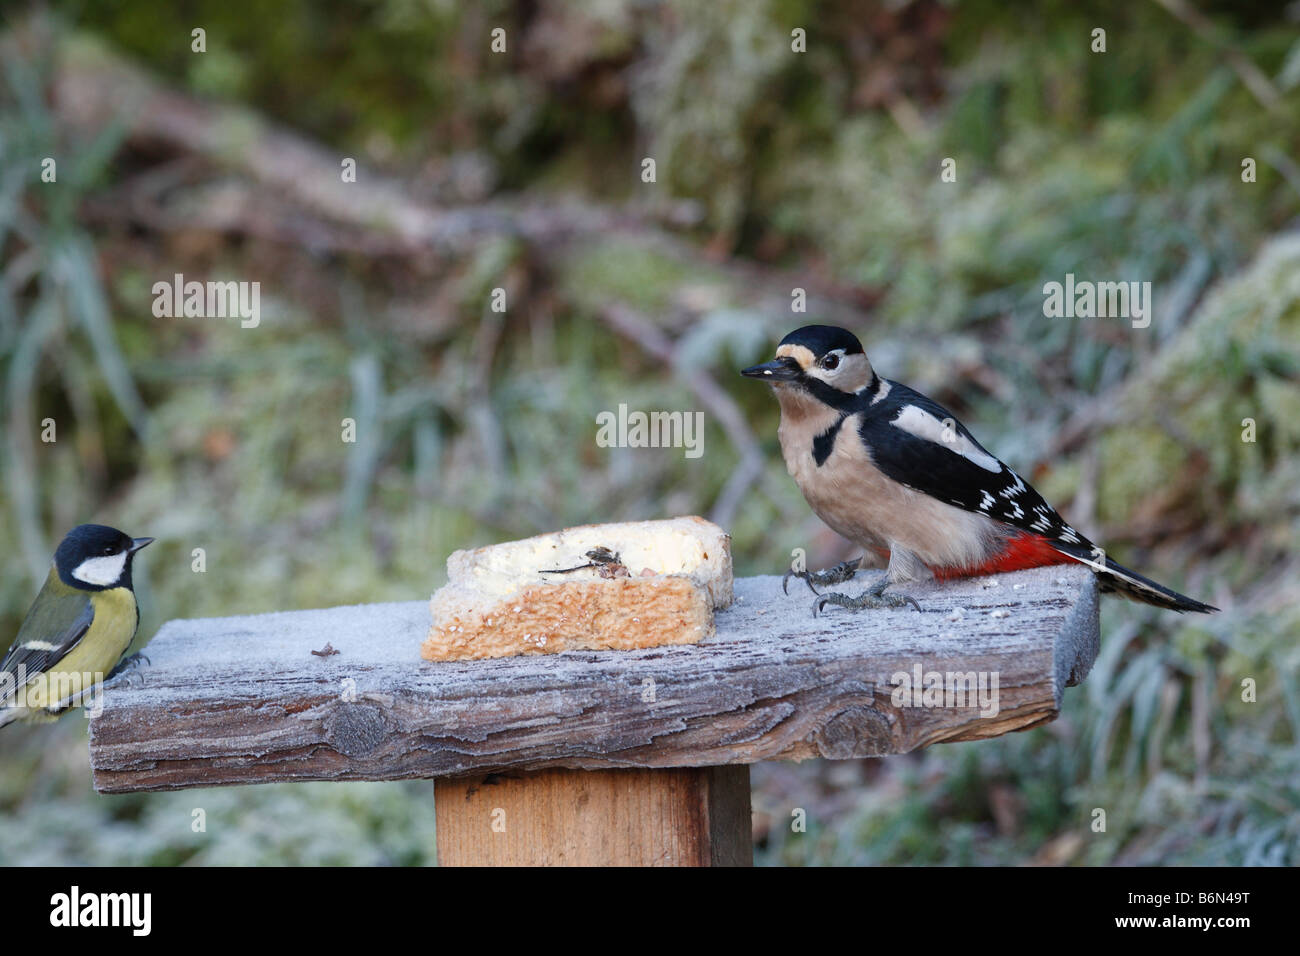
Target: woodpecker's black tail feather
{"x": 1120, "y": 580}
{"x": 1117, "y": 579}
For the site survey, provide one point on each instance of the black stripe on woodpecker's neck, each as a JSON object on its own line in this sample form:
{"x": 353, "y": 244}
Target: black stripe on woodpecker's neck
{"x": 828, "y": 395}
{"x": 824, "y": 443}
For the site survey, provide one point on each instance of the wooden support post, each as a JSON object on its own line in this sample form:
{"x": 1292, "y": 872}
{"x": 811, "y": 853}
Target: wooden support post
{"x": 674, "y": 816}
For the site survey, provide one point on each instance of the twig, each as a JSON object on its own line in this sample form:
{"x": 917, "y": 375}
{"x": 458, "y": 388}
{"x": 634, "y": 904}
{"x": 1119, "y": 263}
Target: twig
{"x": 713, "y": 396}
{"x": 375, "y": 215}
{"x": 1252, "y": 76}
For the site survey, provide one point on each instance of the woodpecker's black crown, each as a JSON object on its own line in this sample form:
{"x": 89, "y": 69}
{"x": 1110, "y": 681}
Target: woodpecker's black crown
{"x": 820, "y": 339}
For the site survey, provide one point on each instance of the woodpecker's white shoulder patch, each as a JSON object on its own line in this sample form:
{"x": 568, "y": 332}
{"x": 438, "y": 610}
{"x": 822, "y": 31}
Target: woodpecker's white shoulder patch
{"x": 917, "y": 421}
{"x": 101, "y": 571}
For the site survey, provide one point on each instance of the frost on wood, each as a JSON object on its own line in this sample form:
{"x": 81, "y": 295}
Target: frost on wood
{"x": 244, "y": 700}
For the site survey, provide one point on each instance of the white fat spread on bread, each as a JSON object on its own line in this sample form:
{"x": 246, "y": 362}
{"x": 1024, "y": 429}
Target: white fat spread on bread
{"x": 500, "y": 600}
{"x": 676, "y": 546}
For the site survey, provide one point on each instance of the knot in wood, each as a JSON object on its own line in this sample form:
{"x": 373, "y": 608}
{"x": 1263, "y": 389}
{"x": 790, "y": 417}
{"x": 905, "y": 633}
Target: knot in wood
{"x": 858, "y": 731}
{"x": 355, "y": 729}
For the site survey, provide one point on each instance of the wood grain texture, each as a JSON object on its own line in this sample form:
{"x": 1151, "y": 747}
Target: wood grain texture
{"x": 243, "y": 700}
{"x": 678, "y": 816}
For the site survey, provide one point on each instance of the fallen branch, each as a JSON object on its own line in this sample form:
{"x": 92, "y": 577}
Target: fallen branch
{"x": 715, "y": 399}
{"x": 375, "y": 215}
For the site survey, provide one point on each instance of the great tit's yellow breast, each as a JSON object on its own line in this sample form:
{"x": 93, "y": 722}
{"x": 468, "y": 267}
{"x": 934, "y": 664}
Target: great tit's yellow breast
{"x": 97, "y": 653}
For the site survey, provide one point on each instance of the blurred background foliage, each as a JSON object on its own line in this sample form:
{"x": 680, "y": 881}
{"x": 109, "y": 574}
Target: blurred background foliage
{"x": 775, "y": 170}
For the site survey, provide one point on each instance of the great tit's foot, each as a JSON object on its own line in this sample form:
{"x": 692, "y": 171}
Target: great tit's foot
{"x": 128, "y": 663}
{"x": 873, "y": 597}
{"x": 842, "y": 572}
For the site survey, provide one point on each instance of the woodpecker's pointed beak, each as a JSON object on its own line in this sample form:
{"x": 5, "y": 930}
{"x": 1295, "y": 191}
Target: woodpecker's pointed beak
{"x": 784, "y": 369}
{"x": 138, "y": 543}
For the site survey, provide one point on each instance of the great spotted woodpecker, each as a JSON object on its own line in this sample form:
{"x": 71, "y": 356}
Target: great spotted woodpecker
{"x": 896, "y": 473}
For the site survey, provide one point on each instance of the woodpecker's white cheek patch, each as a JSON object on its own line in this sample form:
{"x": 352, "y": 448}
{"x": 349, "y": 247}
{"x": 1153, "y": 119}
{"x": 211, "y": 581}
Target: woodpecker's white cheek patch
{"x": 829, "y": 376}
{"x": 922, "y": 424}
{"x": 101, "y": 571}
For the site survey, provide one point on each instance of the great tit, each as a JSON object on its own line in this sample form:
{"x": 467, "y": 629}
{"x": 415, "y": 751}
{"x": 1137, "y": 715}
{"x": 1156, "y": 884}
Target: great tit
{"x": 78, "y": 628}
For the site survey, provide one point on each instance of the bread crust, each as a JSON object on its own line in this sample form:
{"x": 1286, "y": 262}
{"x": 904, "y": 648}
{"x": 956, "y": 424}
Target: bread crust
{"x": 498, "y": 603}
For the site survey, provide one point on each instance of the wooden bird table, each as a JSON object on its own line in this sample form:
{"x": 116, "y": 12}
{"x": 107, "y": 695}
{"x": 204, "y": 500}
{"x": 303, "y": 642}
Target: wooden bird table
{"x": 615, "y": 757}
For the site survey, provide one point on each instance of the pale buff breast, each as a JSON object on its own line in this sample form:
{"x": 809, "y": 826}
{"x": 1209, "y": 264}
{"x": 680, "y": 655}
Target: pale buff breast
{"x": 860, "y": 503}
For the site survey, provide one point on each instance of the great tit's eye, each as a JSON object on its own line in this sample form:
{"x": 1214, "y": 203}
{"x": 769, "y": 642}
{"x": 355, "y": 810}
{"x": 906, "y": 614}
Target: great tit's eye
{"x": 831, "y": 362}
{"x": 108, "y": 549}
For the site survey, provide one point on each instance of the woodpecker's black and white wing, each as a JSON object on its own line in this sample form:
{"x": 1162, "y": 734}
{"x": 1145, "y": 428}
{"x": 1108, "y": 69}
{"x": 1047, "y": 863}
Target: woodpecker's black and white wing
{"x": 918, "y": 443}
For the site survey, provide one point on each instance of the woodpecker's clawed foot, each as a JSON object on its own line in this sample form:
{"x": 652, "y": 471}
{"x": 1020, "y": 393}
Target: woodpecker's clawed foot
{"x": 873, "y": 597}
{"x": 129, "y": 663}
{"x": 842, "y": 572}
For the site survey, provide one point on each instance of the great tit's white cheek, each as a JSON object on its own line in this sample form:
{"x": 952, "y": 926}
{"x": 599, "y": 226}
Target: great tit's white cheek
{"x": 101, "y": 571}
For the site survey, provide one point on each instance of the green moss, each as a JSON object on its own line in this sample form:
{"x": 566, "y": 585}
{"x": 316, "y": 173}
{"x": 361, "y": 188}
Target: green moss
{"x": 1137, "y": 463}
{"x": 628, "y": 270}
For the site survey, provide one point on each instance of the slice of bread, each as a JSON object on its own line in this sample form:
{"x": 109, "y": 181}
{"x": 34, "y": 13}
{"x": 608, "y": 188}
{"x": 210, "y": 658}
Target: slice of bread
{"x": 499, "y": 601}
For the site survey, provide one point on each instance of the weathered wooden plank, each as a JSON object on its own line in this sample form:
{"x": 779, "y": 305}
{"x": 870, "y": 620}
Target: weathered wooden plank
{"x": 670, "y": 816}
{"x": 243, "y": 700}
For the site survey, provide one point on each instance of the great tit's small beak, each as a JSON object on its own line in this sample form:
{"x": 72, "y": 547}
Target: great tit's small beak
{"x": 138, "y": 543}
{"x": 784, "y": 369}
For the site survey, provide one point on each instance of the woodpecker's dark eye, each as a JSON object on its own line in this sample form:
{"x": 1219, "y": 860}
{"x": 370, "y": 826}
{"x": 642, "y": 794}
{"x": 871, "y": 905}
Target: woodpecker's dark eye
{"x": 831, "y": 362}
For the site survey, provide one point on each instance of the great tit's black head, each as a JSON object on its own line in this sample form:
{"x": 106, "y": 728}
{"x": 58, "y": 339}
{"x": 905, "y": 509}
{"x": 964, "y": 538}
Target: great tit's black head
{"x": 818, "y": 358}
{"x": 93, "y": 557}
